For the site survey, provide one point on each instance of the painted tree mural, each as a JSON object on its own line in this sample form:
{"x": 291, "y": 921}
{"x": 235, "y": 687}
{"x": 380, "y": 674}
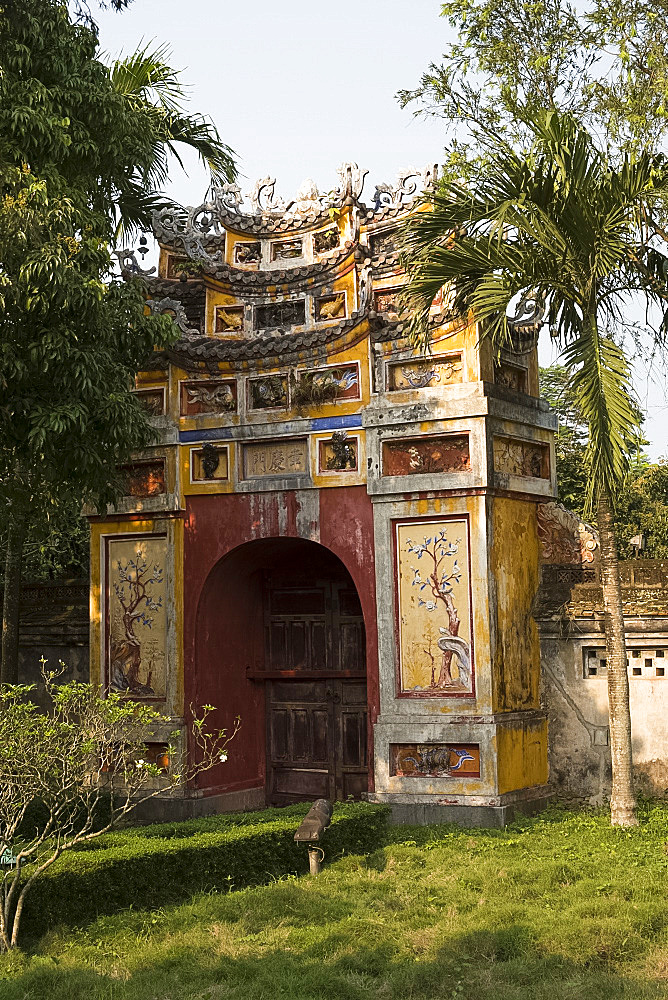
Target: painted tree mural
{"x": 138, "y": 586}
{"x": 435, "y": 569}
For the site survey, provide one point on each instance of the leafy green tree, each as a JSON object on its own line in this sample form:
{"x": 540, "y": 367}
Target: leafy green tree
{"x": 82, "y": 148}
{"x": 82, "y": 767}
{"x": 605, "y": 62}
{"x": 569, "y": 222}
{"x": 642, "y": 508}
{"x": 572, "y": 455}
{"x": 570, "y": 440}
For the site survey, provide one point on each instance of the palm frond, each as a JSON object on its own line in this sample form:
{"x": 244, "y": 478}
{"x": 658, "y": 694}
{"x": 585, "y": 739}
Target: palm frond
{"x": 563, "y": 220}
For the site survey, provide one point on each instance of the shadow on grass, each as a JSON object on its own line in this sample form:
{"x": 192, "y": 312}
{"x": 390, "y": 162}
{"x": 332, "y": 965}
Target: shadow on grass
{"x": 477, "y": 966}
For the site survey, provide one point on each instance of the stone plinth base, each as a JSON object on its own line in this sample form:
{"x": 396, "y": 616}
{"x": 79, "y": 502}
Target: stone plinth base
{"x": 495, "y": 814}
{"x": 174, "y": 809}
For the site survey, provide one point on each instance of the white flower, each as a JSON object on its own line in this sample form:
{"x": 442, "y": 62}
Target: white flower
{"x": 223, "y": 757}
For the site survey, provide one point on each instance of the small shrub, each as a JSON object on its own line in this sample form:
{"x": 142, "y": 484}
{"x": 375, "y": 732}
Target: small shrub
{"x": 147, "y": 867}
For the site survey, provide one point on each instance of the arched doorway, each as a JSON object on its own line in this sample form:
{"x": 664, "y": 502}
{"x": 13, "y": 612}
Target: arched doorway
{"x": 285, "y": 620}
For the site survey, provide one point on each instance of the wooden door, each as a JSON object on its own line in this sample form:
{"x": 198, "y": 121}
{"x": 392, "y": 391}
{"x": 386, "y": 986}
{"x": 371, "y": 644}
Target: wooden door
{"x": 316, "y": 692}
{"x": 316, "y": 739}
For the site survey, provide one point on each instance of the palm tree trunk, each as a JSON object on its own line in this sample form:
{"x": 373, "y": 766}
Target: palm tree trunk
{"x": 9, "y": 673}
{"x": 622, "y": 799}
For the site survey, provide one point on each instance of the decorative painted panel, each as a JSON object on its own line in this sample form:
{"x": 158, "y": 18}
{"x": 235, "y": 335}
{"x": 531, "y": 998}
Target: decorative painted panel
{"x": 434, "y": 608}
{"x": 268, "y": 392}
{"x": 137, "y": 616}
{"x": 144, "y": 479}
{"x": 435, "y": 760}
{"x": 521, "y": 458}
{"x": 387, "y": 300}
{"x": 424, "y": 374}
{"x": 326, "y": 239}
{"x": 275, "y": 458}
{"x": 209, "y": 463}
{"x": 229, "y": 319}
{"x": 511, "y": 376}
{"x": 211, "y": 396}
{"x": 248, "y": 254}
{"x": 326, "y": 385}
{"x": 151, "y": 400}
{"x": 330, "y": 307}
{"x": 287, "y": 249}
{"x": 281, "y": 314}
{"x": 338, "y": 454}
{"x": 416, "y": 456}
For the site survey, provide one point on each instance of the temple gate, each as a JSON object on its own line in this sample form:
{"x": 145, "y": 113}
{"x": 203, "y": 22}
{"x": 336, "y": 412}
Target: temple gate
{"x": 333, "y": 536}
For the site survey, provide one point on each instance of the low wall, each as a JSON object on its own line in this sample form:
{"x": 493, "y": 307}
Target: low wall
{"x": 54, "y": 625}
{"x": 574, "y": 676}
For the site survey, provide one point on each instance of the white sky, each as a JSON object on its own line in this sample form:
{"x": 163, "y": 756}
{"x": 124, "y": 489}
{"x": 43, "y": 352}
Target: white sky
{"x": 297, "y": 87}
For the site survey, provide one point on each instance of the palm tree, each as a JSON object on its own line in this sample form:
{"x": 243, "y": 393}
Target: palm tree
{"x": 570, "y": 223}
{"x": 153, "y": 89}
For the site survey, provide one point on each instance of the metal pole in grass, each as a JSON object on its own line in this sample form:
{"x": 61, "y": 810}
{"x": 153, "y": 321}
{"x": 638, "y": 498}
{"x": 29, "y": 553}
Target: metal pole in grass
{"x": 311, "y": 829}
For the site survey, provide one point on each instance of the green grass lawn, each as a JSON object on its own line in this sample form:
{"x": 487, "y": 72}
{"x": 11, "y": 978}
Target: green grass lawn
{"x": 557, "y": 907}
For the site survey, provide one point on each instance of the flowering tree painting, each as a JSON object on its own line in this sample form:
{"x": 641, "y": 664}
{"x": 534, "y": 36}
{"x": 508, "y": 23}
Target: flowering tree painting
{"x": 434, "y": 598}
{"x": 137, "y": 639}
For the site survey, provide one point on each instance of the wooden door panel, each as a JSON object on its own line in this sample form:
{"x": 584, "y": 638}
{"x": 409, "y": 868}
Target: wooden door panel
{"x": 321, "y": 734}
{"x": 300, "y": 744}
{"x": 295, "y": 784}
{"x": 354, "y": 784}
{"x": 353, "y": 738}
{"x": 353, "y": 692}
{"x": 279, "y": 734}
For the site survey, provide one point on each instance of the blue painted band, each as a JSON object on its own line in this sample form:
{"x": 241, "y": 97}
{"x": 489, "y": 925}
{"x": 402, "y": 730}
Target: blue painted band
{"x": 206, "y": 434}
{"x": 333, "y": 423}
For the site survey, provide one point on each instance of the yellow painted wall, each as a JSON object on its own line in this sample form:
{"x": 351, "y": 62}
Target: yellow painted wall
{"x": 514, "y": 576}
{"x": 521, "y": 755}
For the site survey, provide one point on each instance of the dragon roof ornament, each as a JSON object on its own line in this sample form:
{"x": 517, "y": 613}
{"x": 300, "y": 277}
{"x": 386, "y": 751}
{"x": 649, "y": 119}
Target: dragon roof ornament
{"x": 196, "y": 231}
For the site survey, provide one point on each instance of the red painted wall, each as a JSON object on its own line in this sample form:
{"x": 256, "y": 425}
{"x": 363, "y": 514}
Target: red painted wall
{"x": 223, "y": 630}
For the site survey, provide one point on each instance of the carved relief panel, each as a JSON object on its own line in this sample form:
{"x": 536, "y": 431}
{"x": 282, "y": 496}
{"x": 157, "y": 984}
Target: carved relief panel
{"x": 151, "y": 400}
{"x": 434, "y": 608}
{"x": 424, "y": 374}
{"x": 210, "y": 396}
{"x": 229, "y": 319}
{"x": 209, "y": 463}
{"x": 521, "y": 458}
{"x": 144, "y": 479}
{"x": 417, "y": 456}
{"x": 338, "y": 454}
{"x": 435, "y": 760}
{"x": 268, "y": 392}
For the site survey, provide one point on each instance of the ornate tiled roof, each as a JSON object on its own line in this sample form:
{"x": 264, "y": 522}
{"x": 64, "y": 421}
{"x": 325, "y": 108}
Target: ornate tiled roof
{"x": 197, "y": 231}
{"x": 256, "y": 282}
{"x": 195, "y": 350}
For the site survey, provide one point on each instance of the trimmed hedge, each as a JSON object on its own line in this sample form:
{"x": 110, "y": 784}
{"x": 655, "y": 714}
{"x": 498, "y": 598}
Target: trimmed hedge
{"x": 152, "y": 866}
